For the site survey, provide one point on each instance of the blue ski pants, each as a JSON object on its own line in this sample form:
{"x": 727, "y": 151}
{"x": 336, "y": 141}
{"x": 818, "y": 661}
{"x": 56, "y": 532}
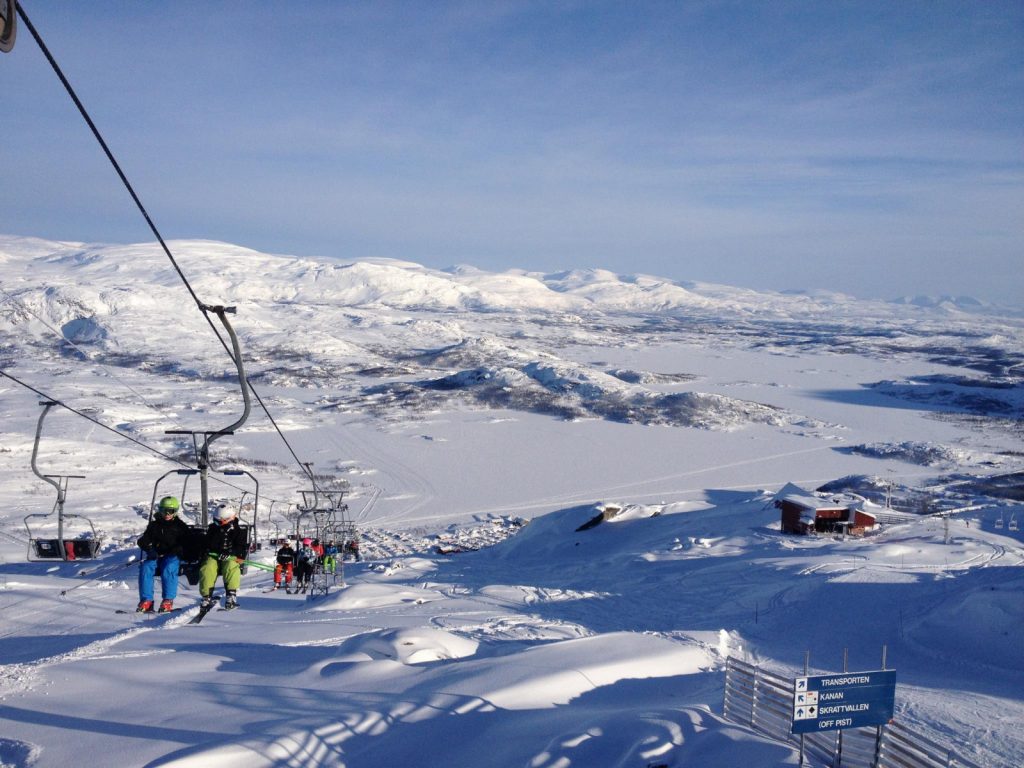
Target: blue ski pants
{"x": 167, "y": 565}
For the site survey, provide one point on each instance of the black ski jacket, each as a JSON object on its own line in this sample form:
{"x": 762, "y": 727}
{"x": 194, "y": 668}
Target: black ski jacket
{"x": 285, "y": 556}
{"x": 228, "y": 540}
{"x": 165, "y": 537}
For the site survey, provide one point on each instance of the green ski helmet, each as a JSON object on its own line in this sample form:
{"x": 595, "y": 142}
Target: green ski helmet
{"x": 169, "y": 505}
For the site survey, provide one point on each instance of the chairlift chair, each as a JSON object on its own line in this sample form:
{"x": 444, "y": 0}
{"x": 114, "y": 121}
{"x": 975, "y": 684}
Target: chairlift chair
{"x": 252, "y": 531}
{"x": 248, "y": 528}
{"x": 194, "y": 547}
{"x": 82, "y": 545}
{"x": 329, "y": 520}
{"x": 279, "y": 535}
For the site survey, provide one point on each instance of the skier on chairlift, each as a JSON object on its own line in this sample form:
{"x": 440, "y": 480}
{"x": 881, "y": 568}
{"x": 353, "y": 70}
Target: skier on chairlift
{"x": 305, "y": 559}
{"x": 284, "y": 570}
{"x": 352, "y": 548}
{"x": 330, "y": 557}
{"x": 161, "y": 544}
{"x": 226, "y": 548}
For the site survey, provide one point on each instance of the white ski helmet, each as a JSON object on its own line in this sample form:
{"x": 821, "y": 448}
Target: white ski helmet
{"x": 223, "y": 513}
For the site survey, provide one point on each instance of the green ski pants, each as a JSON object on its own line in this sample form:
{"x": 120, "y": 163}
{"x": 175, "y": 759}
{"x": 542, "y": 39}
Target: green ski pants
{"x": 212, "y": 568}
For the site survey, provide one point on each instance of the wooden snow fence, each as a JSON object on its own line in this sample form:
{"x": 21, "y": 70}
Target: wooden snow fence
{"x": 764, "y": 701}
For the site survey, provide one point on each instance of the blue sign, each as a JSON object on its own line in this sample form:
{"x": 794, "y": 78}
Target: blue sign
{"x": 847, "y": 700}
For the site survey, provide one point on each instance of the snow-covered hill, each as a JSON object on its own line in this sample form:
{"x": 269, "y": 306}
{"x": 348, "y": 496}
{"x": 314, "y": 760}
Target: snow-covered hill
{"x": 479, "y": 421}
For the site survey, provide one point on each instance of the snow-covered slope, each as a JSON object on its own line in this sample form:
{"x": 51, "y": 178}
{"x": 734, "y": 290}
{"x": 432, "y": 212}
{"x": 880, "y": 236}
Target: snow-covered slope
{"x": 480, "y": 421}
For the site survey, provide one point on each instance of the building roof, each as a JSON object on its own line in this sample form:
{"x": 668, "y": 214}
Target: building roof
{"x": 794, "y": 494}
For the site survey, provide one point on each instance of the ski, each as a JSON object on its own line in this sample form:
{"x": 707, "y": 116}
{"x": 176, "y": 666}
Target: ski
{"x": 205, "y": 610}
{"x": 147, "y": 614}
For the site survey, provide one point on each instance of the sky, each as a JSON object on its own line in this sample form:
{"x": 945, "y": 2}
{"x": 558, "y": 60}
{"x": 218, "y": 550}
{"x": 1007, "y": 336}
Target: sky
{"x": 872, "y": 148}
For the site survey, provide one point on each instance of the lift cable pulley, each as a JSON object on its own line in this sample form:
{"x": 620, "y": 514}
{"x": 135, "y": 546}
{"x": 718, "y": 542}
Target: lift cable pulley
{"x": 8, "y": 25}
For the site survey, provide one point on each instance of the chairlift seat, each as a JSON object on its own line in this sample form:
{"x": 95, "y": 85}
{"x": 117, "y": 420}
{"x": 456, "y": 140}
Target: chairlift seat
{"x": 194, "y": 551}
{"x": 47, "y": 549}
{"x": 73, "y": 549}
{"x": 84, "y": 549}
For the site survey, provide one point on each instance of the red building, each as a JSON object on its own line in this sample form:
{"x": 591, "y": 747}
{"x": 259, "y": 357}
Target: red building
{"x": 804, "y": 513}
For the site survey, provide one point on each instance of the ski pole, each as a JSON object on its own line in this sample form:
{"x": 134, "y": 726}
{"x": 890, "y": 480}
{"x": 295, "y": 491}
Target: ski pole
{"x": 262, "y": 566}
{"x": 111, "y": 570}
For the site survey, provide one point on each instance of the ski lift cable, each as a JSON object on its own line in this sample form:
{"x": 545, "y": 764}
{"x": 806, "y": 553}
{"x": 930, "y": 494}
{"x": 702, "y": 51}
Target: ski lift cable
{"x": 77, "y": 412}
{"x": 27, "y": 309}
{"x": 98, "y": 423}
{"x": 22, "y": 305}
{"x": 131, "y": 191}
{"x": 103, "y": 144}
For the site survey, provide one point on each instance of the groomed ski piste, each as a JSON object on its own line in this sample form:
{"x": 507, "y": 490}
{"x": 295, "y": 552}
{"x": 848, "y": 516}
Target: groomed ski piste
{"x": 489, "y": 417}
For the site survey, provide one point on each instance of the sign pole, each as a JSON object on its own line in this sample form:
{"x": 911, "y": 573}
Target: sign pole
{"x": 807, "y": 666}
{"x": 839, "y": 748}
{"x": 878, "y": 728}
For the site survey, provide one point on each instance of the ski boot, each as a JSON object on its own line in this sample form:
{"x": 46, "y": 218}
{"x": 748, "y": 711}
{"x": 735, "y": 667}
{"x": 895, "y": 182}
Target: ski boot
{"x": 230, "y": 603}
{"x": 207, "y": 602}
{"x": 145, "y": 606}
{"x": 166, "y": 606}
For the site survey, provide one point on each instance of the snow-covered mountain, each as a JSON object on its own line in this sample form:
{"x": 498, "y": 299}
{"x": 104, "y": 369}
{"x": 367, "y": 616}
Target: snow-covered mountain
{"x": 404, "y": 324}
{"x": 482, "y": 423}
{"x": 242, "y": 275}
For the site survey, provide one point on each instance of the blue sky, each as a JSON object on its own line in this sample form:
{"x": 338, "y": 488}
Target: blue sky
{"x": 875, "y": 148}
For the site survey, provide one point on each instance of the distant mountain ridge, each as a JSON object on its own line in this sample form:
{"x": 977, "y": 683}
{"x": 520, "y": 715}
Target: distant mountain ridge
{"x": 382, "y": 337}
{"x": 966, "y": 303}
{"x": 236, "y": 274}
{"x": 393, "y": 339}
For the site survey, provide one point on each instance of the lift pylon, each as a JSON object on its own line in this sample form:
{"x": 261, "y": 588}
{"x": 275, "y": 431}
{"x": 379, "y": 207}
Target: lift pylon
{"x": 202, "y": 449}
